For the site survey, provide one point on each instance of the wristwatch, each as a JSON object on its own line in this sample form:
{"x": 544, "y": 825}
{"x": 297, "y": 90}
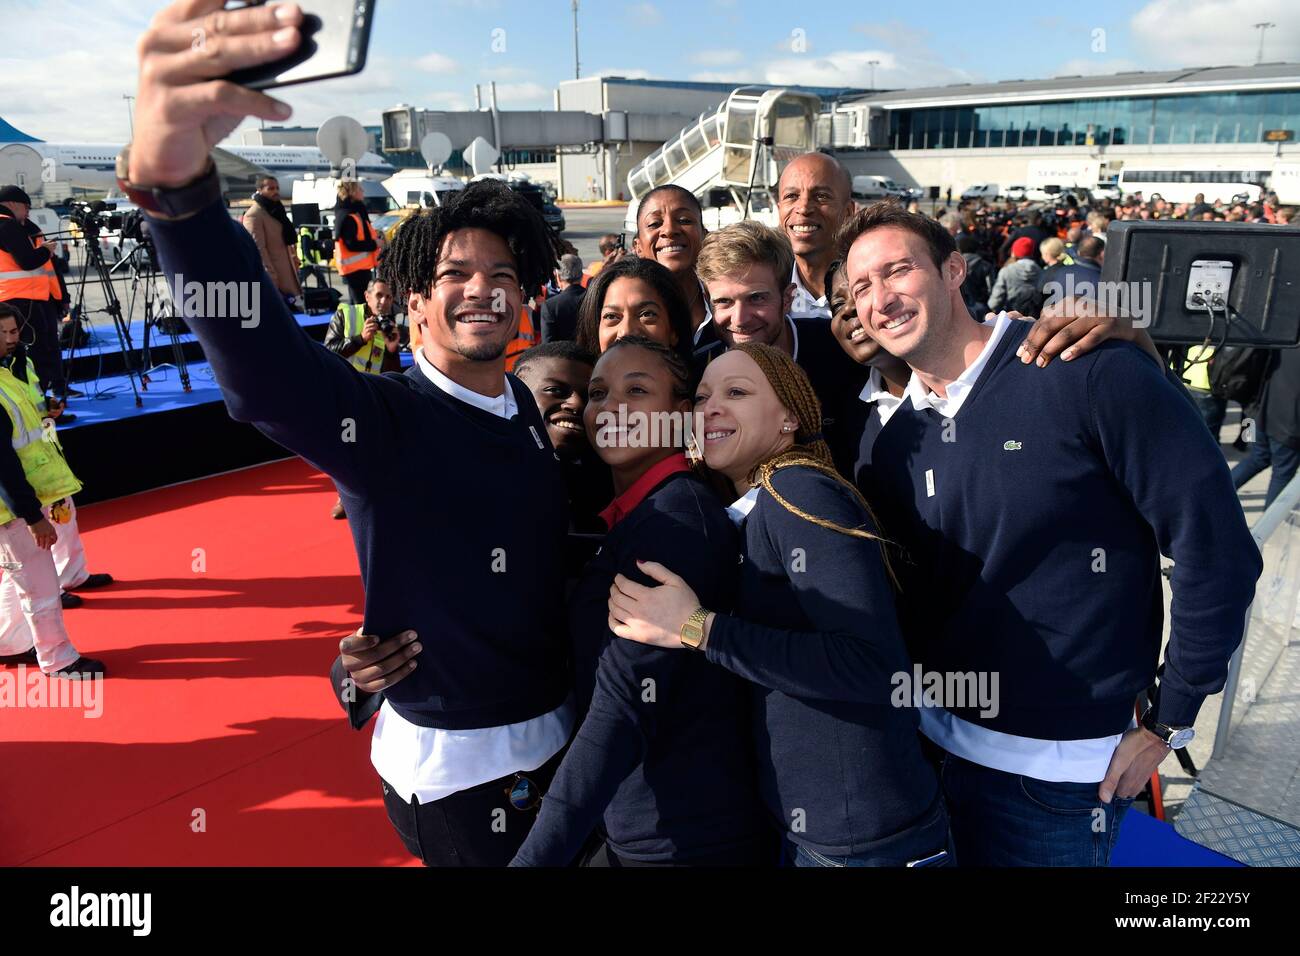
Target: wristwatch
{"x": 165, "y": 203}
{"x": 1175, "y": 738}
{"x": 693, "y": 629}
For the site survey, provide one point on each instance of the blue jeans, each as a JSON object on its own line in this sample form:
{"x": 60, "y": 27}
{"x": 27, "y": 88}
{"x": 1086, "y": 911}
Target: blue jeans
{"x": 1005, "y": 819}
{"x": 1265, "y": 452}
{"x": 928, "y": 844}
{"x": 1213, "y": 410}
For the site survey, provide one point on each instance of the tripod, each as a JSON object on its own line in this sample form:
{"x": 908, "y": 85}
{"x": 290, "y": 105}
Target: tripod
{"x": 144, "y": 271}
{"x": 94, "y": 258}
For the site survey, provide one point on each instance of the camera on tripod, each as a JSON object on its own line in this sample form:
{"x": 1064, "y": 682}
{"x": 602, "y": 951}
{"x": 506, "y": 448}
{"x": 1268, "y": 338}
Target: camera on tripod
{"x": 92, "y": 217}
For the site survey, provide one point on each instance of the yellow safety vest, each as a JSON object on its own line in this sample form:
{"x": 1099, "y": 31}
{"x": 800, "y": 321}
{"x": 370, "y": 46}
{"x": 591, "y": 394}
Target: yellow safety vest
{"x": 38, "y": 448}
{"x": 370, "y": 357}
{"x": 307, "y": 250}
{"x": 1198, "y": 376}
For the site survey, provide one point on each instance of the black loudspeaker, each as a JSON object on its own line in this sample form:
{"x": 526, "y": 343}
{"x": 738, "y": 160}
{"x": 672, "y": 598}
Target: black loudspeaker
{"x": 934, "y": 192}
{"x": 1232, "y": 283}
{"x": 304, "y": 214}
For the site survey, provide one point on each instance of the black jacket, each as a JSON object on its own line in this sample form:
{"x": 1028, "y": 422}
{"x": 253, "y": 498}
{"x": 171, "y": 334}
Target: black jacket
{"x": 16, "y": 239}
{"x": 560, "y": 314}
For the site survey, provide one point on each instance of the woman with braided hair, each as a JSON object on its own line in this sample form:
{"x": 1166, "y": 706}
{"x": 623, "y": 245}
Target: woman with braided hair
{"x": 815, "y": 630}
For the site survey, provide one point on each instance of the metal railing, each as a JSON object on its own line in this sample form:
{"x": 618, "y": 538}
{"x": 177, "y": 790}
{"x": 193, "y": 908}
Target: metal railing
{"x": 1273, "y": 612}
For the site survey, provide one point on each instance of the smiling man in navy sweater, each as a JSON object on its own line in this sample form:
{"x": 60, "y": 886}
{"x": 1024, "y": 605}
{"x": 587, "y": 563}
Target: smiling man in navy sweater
{"x": 427, "y": 463}
{"x": 1034, "y": 506}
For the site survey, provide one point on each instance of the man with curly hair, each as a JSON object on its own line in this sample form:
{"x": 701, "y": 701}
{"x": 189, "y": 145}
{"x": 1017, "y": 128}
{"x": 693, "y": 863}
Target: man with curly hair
{"x": 475, "y": 683}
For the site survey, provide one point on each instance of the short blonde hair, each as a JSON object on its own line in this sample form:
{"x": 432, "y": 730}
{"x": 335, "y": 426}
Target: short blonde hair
{"x": 741, "y": 245}
{"x": 1052, "y": 247}
{"x": 344, "y": 190}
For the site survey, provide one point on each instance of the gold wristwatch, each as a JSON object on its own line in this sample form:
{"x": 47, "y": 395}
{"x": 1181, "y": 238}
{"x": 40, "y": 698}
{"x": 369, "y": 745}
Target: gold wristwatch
{"x": 693, "y": 629}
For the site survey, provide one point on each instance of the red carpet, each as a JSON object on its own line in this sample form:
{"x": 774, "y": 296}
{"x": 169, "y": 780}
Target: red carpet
{"x": 231, "y": 595}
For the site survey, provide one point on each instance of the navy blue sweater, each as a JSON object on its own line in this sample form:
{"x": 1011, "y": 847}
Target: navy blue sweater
{"x": 1037, "y": 555}
{"x": 817, "y": 634}
{"x": 665, "y": 752}
{"x": 432, "y": 487}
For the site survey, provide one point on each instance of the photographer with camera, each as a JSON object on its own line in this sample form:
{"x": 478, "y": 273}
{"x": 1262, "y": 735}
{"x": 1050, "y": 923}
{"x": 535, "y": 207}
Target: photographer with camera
{"x": 369, "y": 337}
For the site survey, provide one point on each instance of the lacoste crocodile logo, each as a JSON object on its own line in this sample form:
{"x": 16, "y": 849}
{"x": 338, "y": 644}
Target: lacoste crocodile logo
{"x": 1010, "y": 445}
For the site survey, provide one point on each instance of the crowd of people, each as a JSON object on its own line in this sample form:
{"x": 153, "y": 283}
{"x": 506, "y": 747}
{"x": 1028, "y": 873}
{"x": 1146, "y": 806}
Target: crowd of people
{"x": 889, "y": 596}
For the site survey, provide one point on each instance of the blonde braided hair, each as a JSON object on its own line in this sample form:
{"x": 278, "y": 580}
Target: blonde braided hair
{"x": 795, "y": 392}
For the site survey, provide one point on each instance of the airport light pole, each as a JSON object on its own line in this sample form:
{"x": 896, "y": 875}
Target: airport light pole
{"x": 873, "y": 64}
{"x": 576, "y": 73}
{"x": 1261, "y": 27}
{"x": 130, "y": 112}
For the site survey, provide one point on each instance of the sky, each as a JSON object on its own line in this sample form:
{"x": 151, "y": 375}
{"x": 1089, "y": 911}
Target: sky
{"x": 67, "y": 64}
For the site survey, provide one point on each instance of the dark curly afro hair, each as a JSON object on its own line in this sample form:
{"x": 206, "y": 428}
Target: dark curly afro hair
{"x": 409, "y": 264}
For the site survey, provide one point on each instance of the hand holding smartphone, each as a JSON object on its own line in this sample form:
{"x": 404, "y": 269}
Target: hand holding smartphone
{"x": 335, "y": 39}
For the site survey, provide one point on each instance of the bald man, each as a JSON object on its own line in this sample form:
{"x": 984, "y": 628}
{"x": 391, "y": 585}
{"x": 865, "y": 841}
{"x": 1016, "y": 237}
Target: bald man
{"x": 814, "y": 196}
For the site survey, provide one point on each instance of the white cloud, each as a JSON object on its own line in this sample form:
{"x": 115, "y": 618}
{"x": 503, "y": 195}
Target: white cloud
{"x": 1216, "y": 32}
{"x": 717, "y": 57}
{"x": 1096, "y": 66}
{"x": 513, "y": 96}
{"x": 739, "y": 77}
{"x": 436, "y": 63}
{"x": 853, "y": 68}
{"x": 629, "y": 73}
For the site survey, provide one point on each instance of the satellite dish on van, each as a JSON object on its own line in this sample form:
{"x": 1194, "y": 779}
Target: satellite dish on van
{"x": 436, "y": 149}
{"x": 343, "y": 141}
{"x": 21, "y": 166}
{"x": 481, "y": 155}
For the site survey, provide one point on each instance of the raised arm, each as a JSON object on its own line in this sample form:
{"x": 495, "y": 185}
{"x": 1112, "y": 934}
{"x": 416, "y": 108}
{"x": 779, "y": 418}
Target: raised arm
{"x": 270, "y": 373}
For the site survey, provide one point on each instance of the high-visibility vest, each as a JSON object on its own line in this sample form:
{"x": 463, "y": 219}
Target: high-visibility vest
{"x": 33, "y": 383}
{"x": 56, "y": 293}
{"x": 349, "y": 260}
{"x": 307, "y": 250}
{"x": 38, "y": 448}
{"x": 1197, "y": 375}
{"x": 19, "y": 283}
{"x": 524, "y": 339}
{"x": 370, "y": 357}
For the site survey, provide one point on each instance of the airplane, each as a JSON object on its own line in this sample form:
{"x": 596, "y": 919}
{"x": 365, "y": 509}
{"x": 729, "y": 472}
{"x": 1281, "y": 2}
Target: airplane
{"x": 90, "y": 166}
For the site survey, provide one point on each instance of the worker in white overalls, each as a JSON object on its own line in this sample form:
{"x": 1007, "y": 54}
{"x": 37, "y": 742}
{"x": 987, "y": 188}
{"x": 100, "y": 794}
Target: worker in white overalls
{"x": 36, "y": 488}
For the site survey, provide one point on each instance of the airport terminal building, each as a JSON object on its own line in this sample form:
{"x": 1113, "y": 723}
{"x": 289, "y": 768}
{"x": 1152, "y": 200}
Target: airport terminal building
{"x": 1240, "y": 119}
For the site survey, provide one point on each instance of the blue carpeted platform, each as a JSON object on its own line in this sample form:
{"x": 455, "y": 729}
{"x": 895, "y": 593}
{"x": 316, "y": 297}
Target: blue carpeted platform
{"x": 109, "y": 398}
{"x": 104, "y": 340}
{"x": 1146, "y": 841}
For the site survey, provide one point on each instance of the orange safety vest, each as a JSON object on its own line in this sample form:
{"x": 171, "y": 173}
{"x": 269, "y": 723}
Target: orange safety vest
{"x": 525, "y": 339}
{"x": 19, "y": 283}
{"x": 56, "y": 293}
{"x": 348, "y": 260}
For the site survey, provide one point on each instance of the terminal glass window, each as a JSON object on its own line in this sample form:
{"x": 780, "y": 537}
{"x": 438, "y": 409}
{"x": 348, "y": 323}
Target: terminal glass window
{"x": 1202, "y": 118}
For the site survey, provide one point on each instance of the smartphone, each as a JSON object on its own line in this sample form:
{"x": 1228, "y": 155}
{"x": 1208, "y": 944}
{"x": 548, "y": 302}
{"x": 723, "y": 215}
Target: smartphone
{"x": 335, "y": 37}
